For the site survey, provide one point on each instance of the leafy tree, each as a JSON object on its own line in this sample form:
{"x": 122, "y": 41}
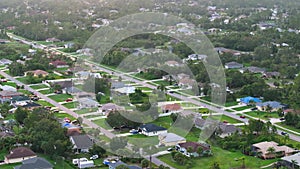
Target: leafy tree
{"x": 4, "y": 109}
{"x": 21, "y": 115}
{"x": 118, "y": 143}
{"x": 97, "y": 150}
{"x": 145, "y": 163}
{"x": 215, "y": 165}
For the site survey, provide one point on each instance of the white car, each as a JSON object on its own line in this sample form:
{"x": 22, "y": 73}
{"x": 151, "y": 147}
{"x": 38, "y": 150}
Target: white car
{"x": 94, "y": 157}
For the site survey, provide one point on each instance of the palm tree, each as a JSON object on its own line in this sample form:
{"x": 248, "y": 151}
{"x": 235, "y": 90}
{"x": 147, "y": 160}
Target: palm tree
{"x": 215, "y": 166}
{"x": 294, "y": 163}
{"x": 271, "y": 150}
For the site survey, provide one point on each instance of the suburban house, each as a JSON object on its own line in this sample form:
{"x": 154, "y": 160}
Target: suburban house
{"x": 19, "y": 100}
{"x": 63, "y": 83}
{"x": 37, "y": 73}
{"x": 249, "y": 100}
{"x": 186, "y": 83}
{"x": 271, "y": 75}
{"x": 195, "y": 147}
{"x": 152, "y": 130}
{"x": 73, "y": 131}
{"x": 71, "y": 90}
{"x": 5, "y": 62}
{"x": 108, "y": 107}
{"x": 5, "y": 96}
{"x": 233, "y": 65}
{"x": 59, "y": 64}
{"x": 69, "y": 45}
{"x": 81, "y": 143}
{"x": 87, "y": 103}
{"x": 263, "y": 148}
{"x": 291, "y": 162}
{"x": 253, "y": 69}
{"x": 170, "y": 139}
{"x": 196, "y": 57}
{"x": 222, "y": 129}
{"x": 171, "y": 108}
{"x": 172, "y": 63}
{"x": 8, "y": 88}
{"x": 227, "y": 130}
{"x": 125, "y": 90}
{"x": 52, "y": 40}
{"x": 115, "y": 164}
{"x": 31, "y": 106}
{"x": 35, "y": 163}
{"x": 270, "y": 106}
{"x": 117, "y": 85}
{"x": 19, "y": 154}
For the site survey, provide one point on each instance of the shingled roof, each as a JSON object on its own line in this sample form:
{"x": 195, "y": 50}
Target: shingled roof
{"x": 20, "y": 152}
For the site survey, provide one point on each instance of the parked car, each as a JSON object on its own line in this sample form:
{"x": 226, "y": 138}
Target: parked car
{"x": 170, "y": 149}
{"x": 69, "y": 100}
{"x": 254, "y": 108}
{"x": 225, "y": 121}
{"x": 282, "y": 118}
{"x": 94, "y": 157}
{"x": 284, "y": 133}
{"x": 242, "y": 116}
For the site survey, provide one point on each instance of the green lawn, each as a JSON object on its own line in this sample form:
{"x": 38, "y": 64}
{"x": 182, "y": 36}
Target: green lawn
{"x": 142, "y": 141}
{"x": 226, "y": 159}
{"x": 26, "y": 92}
{"x": 162, "y": 82}
{"x": 63, "y": 115}
{"x": 39, "y": 86}
{"x": 70, "y": 105}
{"x": 224, "y": 118}
{"x": 144, "y": 88}
{"x": 193, "y": 135}
{"x": 165, "y": 122}
{"x": 47, "y": 91}
{"x": 229, "y": 104}
{"x": 13, "y": 84}
{"x": 60, "y": 97}
{"x": 23, "y": 80}
{"x": 44, "y": 103}
{"x": 102, "y": 123}
{"x": 242, "y": 108}
{"x": 263, "y": 115}
{"x": 84, "y": 111}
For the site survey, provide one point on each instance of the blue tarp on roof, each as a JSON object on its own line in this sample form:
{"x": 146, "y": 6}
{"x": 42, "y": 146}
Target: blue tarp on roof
{"x": 248, "y": 99}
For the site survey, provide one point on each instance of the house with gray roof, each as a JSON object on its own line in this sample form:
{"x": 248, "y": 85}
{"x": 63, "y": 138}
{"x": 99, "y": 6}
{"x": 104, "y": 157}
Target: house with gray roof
{"x": 170, "y": 139}
{"x": 290, "y": 162}
{"x": 81, "y": 143}
{"x": 253, "y": 69}
{"x": 233, "y": 65}
{"x": 5, "y": 62}
{"x": 87, "y": 103}
{"x": 270, "y": 106}
{"x": 35, "y": 163}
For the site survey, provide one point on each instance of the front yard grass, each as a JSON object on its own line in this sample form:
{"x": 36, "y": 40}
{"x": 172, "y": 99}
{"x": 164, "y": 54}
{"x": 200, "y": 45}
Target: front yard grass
{"x": 165, "y": 122}
{"x": 64, "y": 115}
{"x": 229, "y": 104}
{"x": 226, "y": 159}
{"x": 39, "y": 86}
{"x": 60, "y": 97}
{"x": 263, "y": 115}
{"x": 102, "y": 123}
{"x": 70, "y": 105}
{"x": 224, "y": 118}
{"x": 242, "y": 108}
{"x": 44, "y": 103}
{"x": 84, "y": 111}
{"x": 12, "y": 84}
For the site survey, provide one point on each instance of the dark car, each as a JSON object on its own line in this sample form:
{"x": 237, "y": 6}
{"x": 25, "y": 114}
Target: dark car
{"x": 284, "y": 133}
{"x": 242, "y": 116}
{"x": 254, "y": 108}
